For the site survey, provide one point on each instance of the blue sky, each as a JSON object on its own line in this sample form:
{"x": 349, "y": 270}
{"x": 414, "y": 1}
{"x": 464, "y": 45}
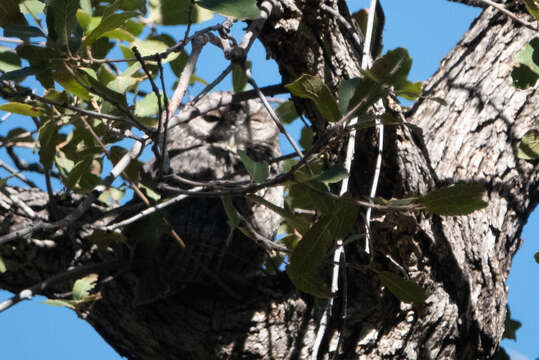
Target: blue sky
{"x": 428, "y": 29}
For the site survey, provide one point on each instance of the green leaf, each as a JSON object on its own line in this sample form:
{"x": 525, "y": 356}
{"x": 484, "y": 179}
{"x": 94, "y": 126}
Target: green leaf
{"x": 529, "y": 55}
{"x": 233, "y": 219}
{"x": 501, "y": 354}
{"x": 511, "y": 326}
{"x": 110, "y": 21}
{"x": 536, "y": 257}
{"x": 314, "y": 248}
{"x": 361, "y": 18}
{"x": 81, "y": 171}
{"x": 231, "y": 212}
{"x": 529, "y": 145}
{"x": 293, "y": 220}
{"x": 366, "y": 92}
{"x": 20, "y": 108}
{"x": 111, "y": 196}
{"x": 101, "y": 89}
{"x": 347, "y": 88}
{"x": 122, "y": 83}
{"x": 286, "y": 112}
{"x": 9, "y": 61}
{"x": 33, "y": 7}
{"x": 239, "y": 79}
{"x": 133, "y": 169}
{"x": 259, "y": 171}
{"x": 241, "y": 9}
{"x": 393, "y": 68}
{"x": 303, "y": 196}
{"x": 3, "y": 268}
{"x": 533, "y": 9}
{"x": 63, "y": 164}
{"x": 19, "y": 75}
{"x": 400, "y": 202}
{"x": 38, "y": 55}
{"x": 134, "y": 27}
{"x": 147, "y": 48}
{"x": 139, "y": 5}
{"x": 23, "y": 31}
{"x": 86, "y": 22}
{"x": 10, "y": 14}
{"x": 410, "y": 90}
{"x": 290, "y": 241}
{"x": 155, "y": 196}
{"x": 307, "y": 138}
{"x": 178, "y": 64}
{"x": 86, "y": 6}
{"x": 405, "y": 290}
{"x": 176, "y": 12}
{"x": 194, "y": 79}
{"x": 120, "y": 34}
{"x": 105, "y": 239}
{"x": 76, "y": 86}
{"x": 48, "y": 139}
{"x": 62, "y": 21}
{"x": 437, "y": 99}
{"x": 83, "y": 286}
{"x": 313, "y": 88}
{"x": 105, "y": 75}
{"x": 61, "y": 303}
{"x": 308, "y": 256}
{"x": 523, "y": 77}
{"x": 459, "y": 199}
{"x": 386, "y": 119}
{"x": 148, "y": 105}
{"x": 333, "y": 175}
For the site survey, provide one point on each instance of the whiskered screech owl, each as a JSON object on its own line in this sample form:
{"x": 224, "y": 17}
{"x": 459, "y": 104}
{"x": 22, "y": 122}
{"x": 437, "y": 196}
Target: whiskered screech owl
{"x": 202, "y": 150}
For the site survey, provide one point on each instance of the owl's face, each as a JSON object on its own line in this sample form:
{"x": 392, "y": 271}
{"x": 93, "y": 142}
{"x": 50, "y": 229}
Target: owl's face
{"x": 215, "y": 126}
{"x": 259, "y": 136}
{"x": 247, "y": 127}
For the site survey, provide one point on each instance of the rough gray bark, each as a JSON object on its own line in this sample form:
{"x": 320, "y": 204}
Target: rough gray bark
{"x": 462, "y": 262}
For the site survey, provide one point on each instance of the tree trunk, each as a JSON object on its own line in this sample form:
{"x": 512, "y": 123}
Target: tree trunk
{"x": 462, "y": 262}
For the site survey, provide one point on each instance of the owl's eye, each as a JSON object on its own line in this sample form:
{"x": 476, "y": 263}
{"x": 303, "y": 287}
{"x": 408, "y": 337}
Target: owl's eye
{"x": 211, "y": 118}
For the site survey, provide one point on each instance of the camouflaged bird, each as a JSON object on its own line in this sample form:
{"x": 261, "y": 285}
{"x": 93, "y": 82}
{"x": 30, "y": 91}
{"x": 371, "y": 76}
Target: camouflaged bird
{"x": 201, "y": 150}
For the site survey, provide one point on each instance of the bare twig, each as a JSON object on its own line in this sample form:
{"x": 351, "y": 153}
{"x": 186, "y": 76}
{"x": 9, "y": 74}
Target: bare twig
{"x": 502, "y": 9}
{"x": 21, "y": 164}
{"x": 11, "y": 40}
{"x": 272, "y": 113}
{"x": 15, "y": 200}
{"x": 173, "y": 232}
{"x": 50, "y": 192}
{"x": 23, "y": 92}
{"x": 74, "y": 273}
{"x": 133, "y": 153}
{"x": 165, "y": 102}
{"x": 17, "y": 174}
{"x": 213, "y": 84}
{"x": 356, "y": 40}
{"x": 266, "y": 243}
{"x": 153, "y": 57}
{"x": 147, "y": 211}
{"x": 188, "y": 70}
{"x": 130, "y": 117}
{"x": 350, "y": 149}
{"x": 177, "y": 97}
{"x": 191, "y": 110}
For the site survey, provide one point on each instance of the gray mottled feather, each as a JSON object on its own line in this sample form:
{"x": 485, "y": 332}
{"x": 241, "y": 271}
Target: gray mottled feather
{"x": 205, "y": 149}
